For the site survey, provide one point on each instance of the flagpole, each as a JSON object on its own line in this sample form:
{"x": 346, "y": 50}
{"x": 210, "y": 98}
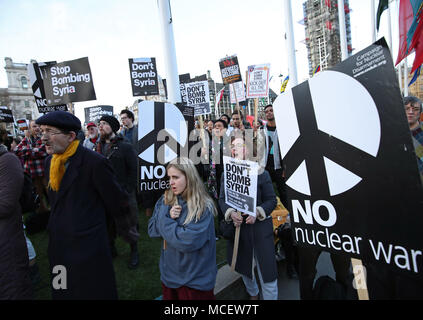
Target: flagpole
{"x": 400, "y": 76}
{"x": 389, "y": 29}
{"x": 342, "y": 29}
{"x": 173, "y": 89}
{"x": 290, "y": 43}
{"x": 373, "y": 20}
{"x": 405, "y": 77}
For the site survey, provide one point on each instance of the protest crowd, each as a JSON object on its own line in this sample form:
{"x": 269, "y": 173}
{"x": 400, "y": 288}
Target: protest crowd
{"x": 339, "y": 173}
{"x": 87, "y": 188}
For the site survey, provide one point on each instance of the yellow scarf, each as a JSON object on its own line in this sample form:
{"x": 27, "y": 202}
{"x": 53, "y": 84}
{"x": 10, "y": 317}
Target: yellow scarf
{"x": 57, "y": 165}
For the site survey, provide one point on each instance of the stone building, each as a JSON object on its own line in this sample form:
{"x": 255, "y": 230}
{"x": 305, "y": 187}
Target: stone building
{"x": 18, "y": 95}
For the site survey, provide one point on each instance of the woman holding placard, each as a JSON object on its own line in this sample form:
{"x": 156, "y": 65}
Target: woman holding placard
{"x": 256, "y": 233}
{"x": 184, "y": 218}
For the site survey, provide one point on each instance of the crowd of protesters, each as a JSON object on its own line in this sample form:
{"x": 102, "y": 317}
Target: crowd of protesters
{"x": 88, "y": 187}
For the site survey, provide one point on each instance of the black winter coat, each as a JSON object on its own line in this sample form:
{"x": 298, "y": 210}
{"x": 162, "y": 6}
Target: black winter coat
{"x": 77, "y": 226}
{"x": 124, "y": 162}
{"x": 257, "y": 237}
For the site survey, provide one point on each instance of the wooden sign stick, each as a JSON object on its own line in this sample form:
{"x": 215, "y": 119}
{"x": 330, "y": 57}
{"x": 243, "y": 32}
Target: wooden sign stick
{"x": 360, "y": 279}
{"x": 235, "y": 250}
{"x": 202, "y": 135}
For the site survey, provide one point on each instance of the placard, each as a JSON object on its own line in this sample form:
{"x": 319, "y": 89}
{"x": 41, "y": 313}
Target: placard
{"x": 143, "y": 74}
{"x": 163, "y": 133}
{"x": 240, "y": 92}
{"x": 229, "y": 68}
{"x": 6, "y": 115}
{"x": 37, "y": 85}
{"x": 258, "y": 81}
{"x": 351, "y": 170}
{"x": 69, "y": 81}
{"x": 93, "y": 114}
{"x": 196, "y": 95}
{"x": 240, "y": 179}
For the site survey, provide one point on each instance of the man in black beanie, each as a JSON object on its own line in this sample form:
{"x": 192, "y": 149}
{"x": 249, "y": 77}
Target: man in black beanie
{"x": 124, "y": 162}
{"x": 82, "y": 191}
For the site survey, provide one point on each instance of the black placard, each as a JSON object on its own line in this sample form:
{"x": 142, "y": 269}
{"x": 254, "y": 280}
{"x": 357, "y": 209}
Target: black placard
{"x": 229, "y": 68}
{"x": 6, "y": 115}
{"x": 143, "y": 73}
{"x": 69, "y": 81}
{"x": 37, "y": 85}
{"x": 93, "y": 114}
{"x": 163, "y": 132}
{"x": 351, "y": 172}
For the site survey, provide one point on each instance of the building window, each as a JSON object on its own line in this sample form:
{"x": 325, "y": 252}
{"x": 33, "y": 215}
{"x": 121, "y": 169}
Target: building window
{"x": 26, "y": 104}
{"x": 28, "y": 116}
{"x": 24, "y": 82}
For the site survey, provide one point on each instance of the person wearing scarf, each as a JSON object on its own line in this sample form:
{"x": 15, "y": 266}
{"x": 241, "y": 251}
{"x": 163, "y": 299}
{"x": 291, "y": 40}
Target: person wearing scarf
{"x": 82, "y": 190}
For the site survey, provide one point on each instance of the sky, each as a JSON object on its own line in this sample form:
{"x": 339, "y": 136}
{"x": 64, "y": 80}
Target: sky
{"x": 110, "y": 32}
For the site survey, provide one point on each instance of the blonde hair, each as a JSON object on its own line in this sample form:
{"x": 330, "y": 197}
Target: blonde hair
{"x": 195, "y": 193}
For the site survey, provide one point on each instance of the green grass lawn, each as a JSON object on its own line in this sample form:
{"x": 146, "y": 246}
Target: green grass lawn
{"x": 142, "y": 283}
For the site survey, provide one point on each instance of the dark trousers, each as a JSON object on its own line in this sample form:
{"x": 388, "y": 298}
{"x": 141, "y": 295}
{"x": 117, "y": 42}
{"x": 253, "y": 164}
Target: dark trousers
{"x": 307, "y": 270}
{"x": 276, "y": 176}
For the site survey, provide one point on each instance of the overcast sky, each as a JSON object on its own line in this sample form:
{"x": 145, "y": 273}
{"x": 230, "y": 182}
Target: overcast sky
{"x": 109, "y": 32}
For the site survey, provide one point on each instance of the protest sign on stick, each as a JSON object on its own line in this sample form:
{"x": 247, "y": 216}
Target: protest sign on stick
{"x": 229, "y": 69}
{"x": 197, "y": 96}
{"x": 240, "y": 180}
{"x": 258, "y": 81}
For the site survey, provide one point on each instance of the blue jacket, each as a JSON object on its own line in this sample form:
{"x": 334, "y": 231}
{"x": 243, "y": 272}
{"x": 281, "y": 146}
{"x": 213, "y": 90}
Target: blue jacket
{"x": 190, "y": 257}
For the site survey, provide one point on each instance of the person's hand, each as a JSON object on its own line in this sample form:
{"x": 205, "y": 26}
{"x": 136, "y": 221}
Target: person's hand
{"x": 27, "y": 133}
{"x": 175, "y": 211}
{"x": 250, "y": 219}
{"x": 236, "y": 218}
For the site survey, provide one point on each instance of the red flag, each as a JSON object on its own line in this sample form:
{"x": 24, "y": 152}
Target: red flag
{"x": 327, "y": 2}
{"x": 406, "y": 17}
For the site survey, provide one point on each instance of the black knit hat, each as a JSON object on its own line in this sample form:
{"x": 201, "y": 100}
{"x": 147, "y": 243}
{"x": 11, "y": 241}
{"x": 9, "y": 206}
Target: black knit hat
{"x": 112, "y": 121}
{"x": 60, "y": 119}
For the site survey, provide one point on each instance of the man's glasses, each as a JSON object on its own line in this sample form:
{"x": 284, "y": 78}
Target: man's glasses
{"x": 48, "y": 133}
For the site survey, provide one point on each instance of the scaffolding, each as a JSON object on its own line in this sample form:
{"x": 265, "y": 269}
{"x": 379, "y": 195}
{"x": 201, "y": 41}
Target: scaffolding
{"x": 322, "y": 33}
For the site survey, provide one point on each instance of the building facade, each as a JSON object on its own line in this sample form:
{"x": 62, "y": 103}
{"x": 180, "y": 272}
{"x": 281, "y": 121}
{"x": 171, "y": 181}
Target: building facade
{"x": 18, "y": 95}
{"x": 323, "y": 42}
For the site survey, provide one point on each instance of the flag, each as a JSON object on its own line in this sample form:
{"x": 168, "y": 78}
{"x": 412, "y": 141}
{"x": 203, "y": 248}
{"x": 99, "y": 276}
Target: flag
{"x": 383, "y": 5}
{"x": 317, "y": 69}
{"x": 410, "y": 31}
{"x": 284, "y": 84}
{"x": 328, "y": 3}
{"x": 416, "y": 75}
{"x": 218, "y": 98}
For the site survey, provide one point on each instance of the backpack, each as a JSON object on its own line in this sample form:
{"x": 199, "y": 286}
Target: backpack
{"x": 27, "y": 198}
{"x": 326, "y": 288}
